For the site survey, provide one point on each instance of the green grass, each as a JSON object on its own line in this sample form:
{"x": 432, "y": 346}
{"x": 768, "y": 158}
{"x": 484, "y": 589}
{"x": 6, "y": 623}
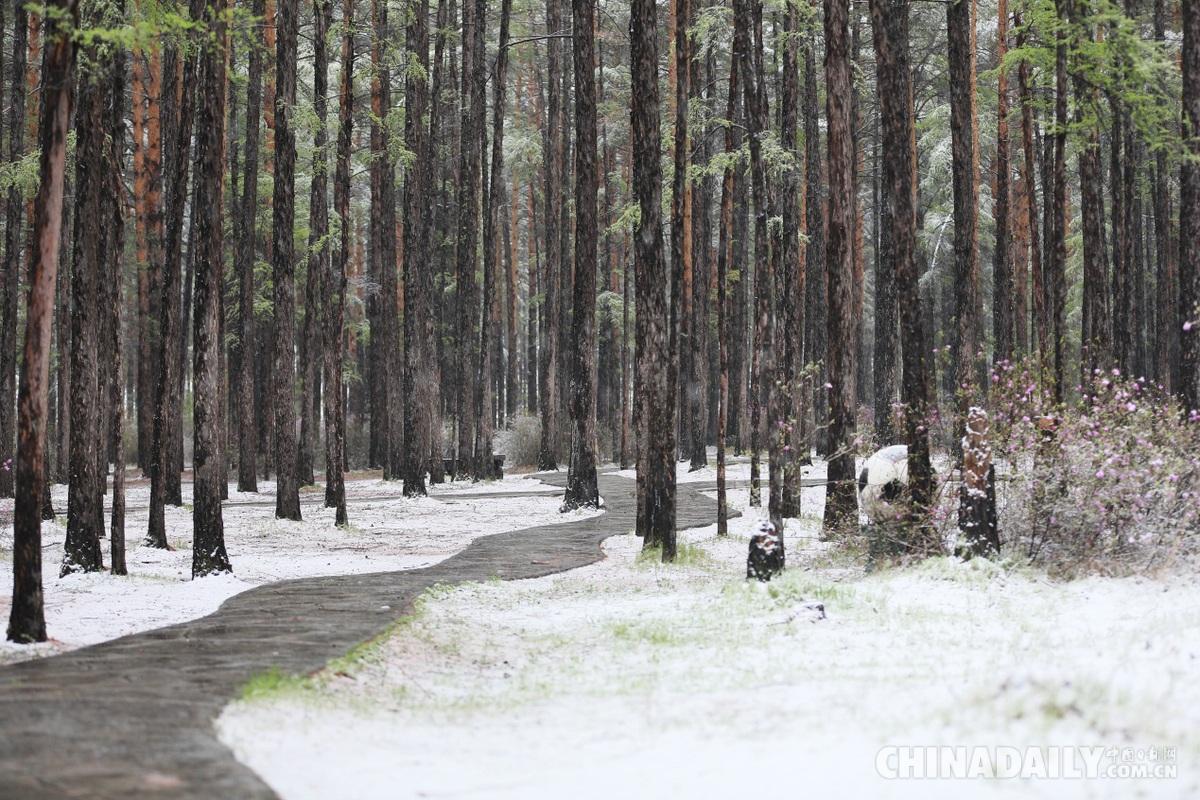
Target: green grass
{"x": 686, "y": 555}
{"x": 274, "y": 683}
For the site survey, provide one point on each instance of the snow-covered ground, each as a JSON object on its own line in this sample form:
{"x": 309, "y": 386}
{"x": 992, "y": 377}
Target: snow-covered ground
{"x": 632, "y": 679}
{"x": 386, "y": 532}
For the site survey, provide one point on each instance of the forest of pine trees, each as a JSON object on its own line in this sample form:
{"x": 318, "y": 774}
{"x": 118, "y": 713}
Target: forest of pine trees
{"x": 250, "y": 240}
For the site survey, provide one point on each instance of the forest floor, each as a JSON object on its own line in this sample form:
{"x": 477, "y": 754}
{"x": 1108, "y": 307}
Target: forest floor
{"x": 628, "y": 678}
{"x": 387, "y": 532}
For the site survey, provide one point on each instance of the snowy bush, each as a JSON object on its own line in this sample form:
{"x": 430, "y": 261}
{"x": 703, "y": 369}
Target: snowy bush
{"x": 1110, "y": 485}
{"x": 520, "y": 442}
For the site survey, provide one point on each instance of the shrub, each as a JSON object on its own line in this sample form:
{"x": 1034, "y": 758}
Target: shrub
{"x": 1111, "y": 485}
{"x": 520, "y": 442}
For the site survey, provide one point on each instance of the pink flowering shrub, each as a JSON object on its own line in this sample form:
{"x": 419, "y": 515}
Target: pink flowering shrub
{"x": 1110, "y": 484}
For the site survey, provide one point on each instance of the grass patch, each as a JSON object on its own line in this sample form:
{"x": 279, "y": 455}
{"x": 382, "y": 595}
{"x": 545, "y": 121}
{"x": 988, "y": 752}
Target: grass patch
{"x": 659, "y": 634}
{"x": 686, "y": 555}
{"x": 272, "y": 684}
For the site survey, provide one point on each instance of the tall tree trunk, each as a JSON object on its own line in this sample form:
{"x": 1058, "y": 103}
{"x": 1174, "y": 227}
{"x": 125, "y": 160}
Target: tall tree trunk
{"x": 653, "y": 291}
{"x": 1167, "y": 277}
{"x": 335, "y": 431}
{"x": 318, "y": 253}
{"x": 747, "y": 46}
{"x": 244, "y": 266}
{"x": 960, "y": 23}
{"x": 552, "y": 285}
{"x": 467, "y": 235}
{"x": 208, "y": 544}
{"x": 1189, "y": 215}
{"x": 1002, "y": 274}
{"x": 841, "y": 506}
{"x": 1029, "y": 182}
{"x": 85, "y": 505}
{"x": 1056, "y": 280}
{"x": 582, "y": 487}
{"x": 724, "y": 258}
{"x": 287, "y": 498}
{"x": 816, "y": 308}
{"x": 27, "y": 621}
{"x": 179, "y": 92}
{"x": 419, "y": 333}
{"x": 890, "y": 19}
{"x": 488, "y": 361}
{"x": 114, "y": 248}
{"x": 11, "y": 282}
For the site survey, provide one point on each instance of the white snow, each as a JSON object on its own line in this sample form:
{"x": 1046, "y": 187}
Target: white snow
{"x": 386, "y": 532}
{"x": 632, "y": 679}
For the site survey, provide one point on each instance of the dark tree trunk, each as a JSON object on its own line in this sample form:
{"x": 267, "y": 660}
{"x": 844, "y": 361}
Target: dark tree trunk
{"x": 287, "y": 499}
{"x": 85, "y": 504}
{"x": 208, "y": 544}
{"x": 841, "y": 505}
{"x": 419, "y": 352}
{"x": 114, "y": 261}
{"x": 1167, "y": 277}
{"x": 1002, "y": 276}
{"x": 724, "y": 257}
{"x": 244, "y": 266}
{"x": 318, "y": 253}
{"x": 335, "y": 432}
{"x": 1096, "y": 334}
{"x": 815, "y": 350}
{"x": 1029, "y": 179}
{"x": 467, "y": 234}
{"x": 890, "y": 19}
{"x": 487, "y": 366}
{"x": 886, "y": 371}
{"x": 11, "y": 282}
{"x": 177, "y": 125}
{"x": 657, "y": 395}
{"x": 1056, "y": 279}
{"x": 26, "y": 619}
{"x": 793, "y": 279}
{"x": 748, "y": 52}
{"x": 960, "y": 24}
{"x": 582, "y": 488}
{"x": 552, "y": 283}
{"x": 1189, "y": 215}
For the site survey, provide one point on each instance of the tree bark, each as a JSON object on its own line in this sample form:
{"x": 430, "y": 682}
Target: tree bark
{"x": 582, "y": 487}
{"x": 1189, "y": 215}
{"x": 287, "y": 498}
{"x": 27, "y": 619}
{"x": 208, "y": 542}
{"x": 244, "y": 265}
{"x": 841, "y": 505}
{"x": 552, "y": 272}
{"x": 890, "y": 20}
{"x": 657, "y": 396}
{"x": 335, "y": 432}
{"x": 1002, "y": 276}
{"x": 318, "y": 253}
{"x": 11, "y": 282}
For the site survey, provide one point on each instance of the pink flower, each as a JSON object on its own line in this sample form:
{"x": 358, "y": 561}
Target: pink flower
{"x": 1099, "y": 473}
{"x": 1187, "y": 326}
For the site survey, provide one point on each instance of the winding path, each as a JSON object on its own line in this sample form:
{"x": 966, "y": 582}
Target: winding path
{"x": 133, "y": 717}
